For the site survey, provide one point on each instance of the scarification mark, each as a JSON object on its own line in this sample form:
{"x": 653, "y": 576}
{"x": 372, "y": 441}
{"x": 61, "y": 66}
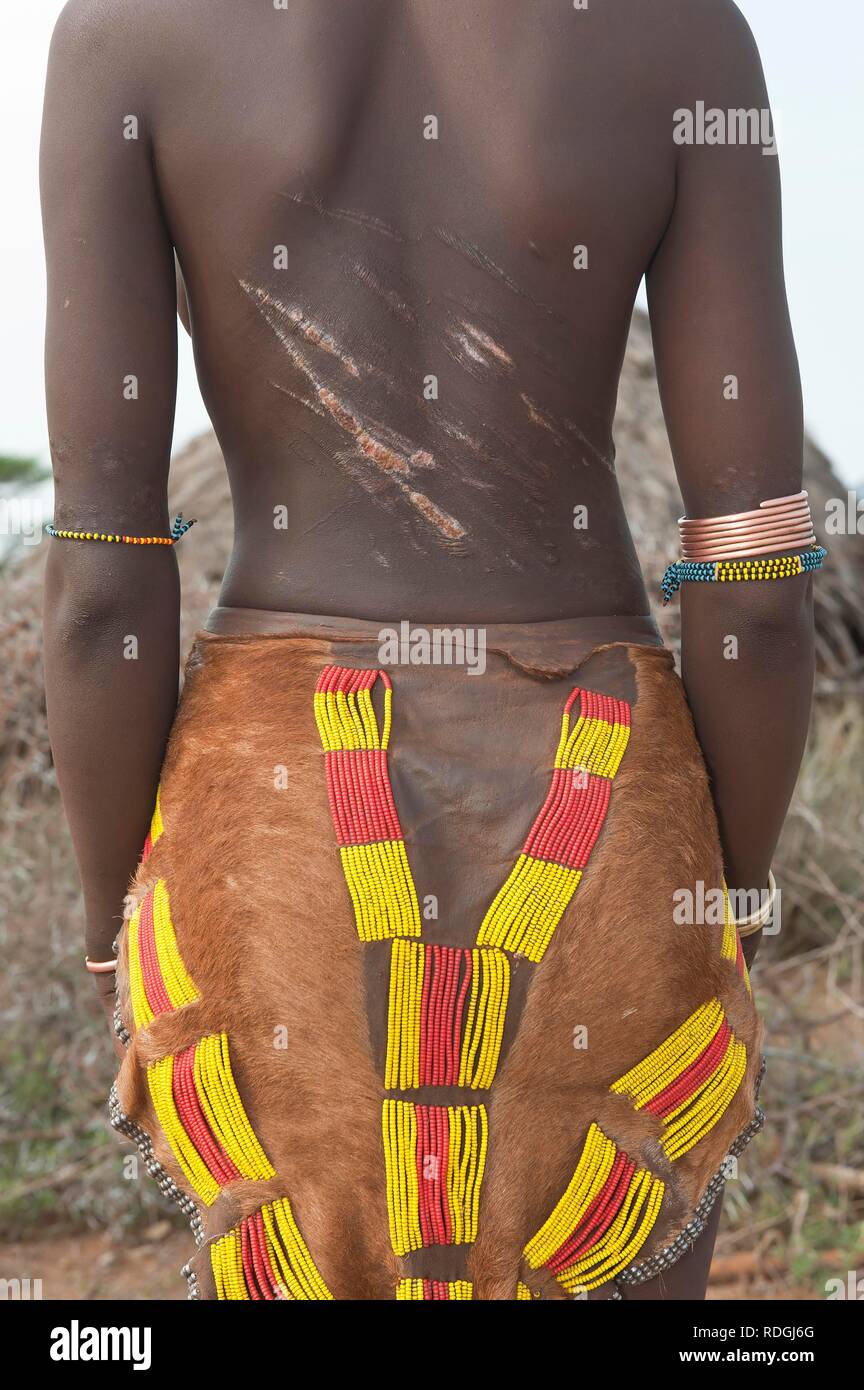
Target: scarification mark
{"x": 448, "y": 526}
{"x": 394, "y": 302}
{"x": 386, "y": 456}
{"x": 316, "y": 335}
{"x": 535, "y": 414}
{"x": 276, "y": 313}
{"x": 359, "y": 219}
{"x": 467, "y": 349}
{"x": 295, "y": 396}
{"x": 541, "y": 419}
{"x": 488, "y": 344}
{"x": 485, "y": 263}
{"x": 455, "y": 432}
{"x": 607, "y": 462}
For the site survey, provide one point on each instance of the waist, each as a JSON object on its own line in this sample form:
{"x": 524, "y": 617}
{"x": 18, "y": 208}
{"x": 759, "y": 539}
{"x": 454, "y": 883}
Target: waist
{"x": 544, "y": 648}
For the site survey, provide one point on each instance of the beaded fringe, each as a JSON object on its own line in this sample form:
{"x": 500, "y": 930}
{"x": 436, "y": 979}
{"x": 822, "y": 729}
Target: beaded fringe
{"x": 371, "y": 844}
{"x": 435, "y": 1156}
{"x": 447, "y": 1007}
{"x": 200, "y": 1111}
{"x": 531, "y": 903}
{"x": 265, "y": 1257}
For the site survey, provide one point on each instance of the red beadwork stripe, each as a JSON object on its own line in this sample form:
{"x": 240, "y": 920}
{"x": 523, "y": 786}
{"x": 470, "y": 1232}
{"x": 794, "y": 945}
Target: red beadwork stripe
{"x": 154, "y": 985}
{"x": 433, "y": 1149}
{"x": 595, "y": 705}
{"x": 192, "y": 1118}
{"x": 148, "y": 848}
{"x": 267, "y": 1282}
{"x": 598, "y": 1217}
{"x": 566, "y": 830}
{"x": 447, "y": 972}
{"x": 690, "y": 1080}
{"x": 361, "y": 799}
{"x": 248, "y": 1267}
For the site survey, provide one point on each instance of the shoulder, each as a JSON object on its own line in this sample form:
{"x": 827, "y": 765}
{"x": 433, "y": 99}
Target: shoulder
{"x": 102, "y": 50}
{"x": 704, "y": 49}
{"x": 90, "y": 33}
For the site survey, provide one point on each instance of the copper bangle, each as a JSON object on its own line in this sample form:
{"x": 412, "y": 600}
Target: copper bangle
{"x": 757, "y": 545}
{"x": 747, "y": 551}
{"x": 779, "y": 523}
{"x": 769, "y": 521}
{"x": 795, "y": 497}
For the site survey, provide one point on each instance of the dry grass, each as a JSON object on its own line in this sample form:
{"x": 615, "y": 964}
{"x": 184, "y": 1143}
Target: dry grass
{"x": 793, "y": 1219}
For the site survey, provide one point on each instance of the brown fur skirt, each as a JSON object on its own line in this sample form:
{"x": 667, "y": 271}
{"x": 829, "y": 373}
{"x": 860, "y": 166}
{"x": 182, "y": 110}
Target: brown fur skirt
{"x": 429, "y": 983}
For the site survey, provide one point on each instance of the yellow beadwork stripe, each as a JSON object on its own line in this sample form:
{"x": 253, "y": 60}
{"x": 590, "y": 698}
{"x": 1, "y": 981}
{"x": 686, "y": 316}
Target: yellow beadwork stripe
{"x": 160, "y": 1081}
{"x": 156, "y": 824}
{"x": 303, "y": 1281}
{"x": 226, "y": 1261}
{"x": 382, "y": 890}
{"x": 729, "y": 945}
{"x": 399, "y": 1127}
{"x": 402, "y": 1066}
{"x": 178, "y": 983}
{"x": 466, "y": 1162}
{"x": 414, "y": 1031}
{"x": 487, "y": 1012}
{"x": 523, "y": 1292}
{"x": 693, "y": 1119}
{"x": 297, "y": 1279}
{"x": 414, "y": 1290}
{"x": 650, "y": 1076}
{"x": 223, "y": 1109}
{"x": 592, "y": 1170}
{"x": 348, "y": 721}
{"x": 142, "y": 1014}
{"x": 592, "y": 745}
{"x": 777, "y": 567}
{"x": 615, "y": 1247}
{"x": 529, "y": 907}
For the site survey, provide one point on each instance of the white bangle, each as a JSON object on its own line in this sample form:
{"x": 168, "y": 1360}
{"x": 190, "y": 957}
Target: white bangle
{"x": 763, "y": 914}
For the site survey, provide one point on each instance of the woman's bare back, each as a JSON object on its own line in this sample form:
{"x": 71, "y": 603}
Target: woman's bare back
{"x": 411, "y": 235}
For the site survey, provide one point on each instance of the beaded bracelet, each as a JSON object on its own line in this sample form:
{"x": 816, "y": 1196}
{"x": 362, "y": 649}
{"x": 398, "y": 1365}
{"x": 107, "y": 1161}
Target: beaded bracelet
{"x": 727, "y": 571}
{"x": 179, "y": 529}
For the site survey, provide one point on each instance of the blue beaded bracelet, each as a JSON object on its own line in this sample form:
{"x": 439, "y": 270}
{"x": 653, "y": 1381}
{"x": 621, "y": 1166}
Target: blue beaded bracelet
{"x": 726, "y": 571}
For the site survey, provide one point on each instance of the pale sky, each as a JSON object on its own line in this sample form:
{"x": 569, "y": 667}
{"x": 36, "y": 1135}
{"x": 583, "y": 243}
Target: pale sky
{"x": 812, "y": 58}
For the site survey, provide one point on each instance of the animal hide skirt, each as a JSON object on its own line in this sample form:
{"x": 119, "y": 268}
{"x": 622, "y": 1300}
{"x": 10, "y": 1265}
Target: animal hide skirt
{"x": 429, "y": 981}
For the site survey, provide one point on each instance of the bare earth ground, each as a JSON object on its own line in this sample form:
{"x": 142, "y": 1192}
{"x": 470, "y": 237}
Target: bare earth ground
{"x": 90, "y": 1268}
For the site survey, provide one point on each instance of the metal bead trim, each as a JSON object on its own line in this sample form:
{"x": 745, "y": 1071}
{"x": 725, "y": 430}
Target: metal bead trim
{"x": 166, "y": 1184}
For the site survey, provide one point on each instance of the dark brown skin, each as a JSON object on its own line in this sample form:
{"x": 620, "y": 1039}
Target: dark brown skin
{"x": 303, "y": 128}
